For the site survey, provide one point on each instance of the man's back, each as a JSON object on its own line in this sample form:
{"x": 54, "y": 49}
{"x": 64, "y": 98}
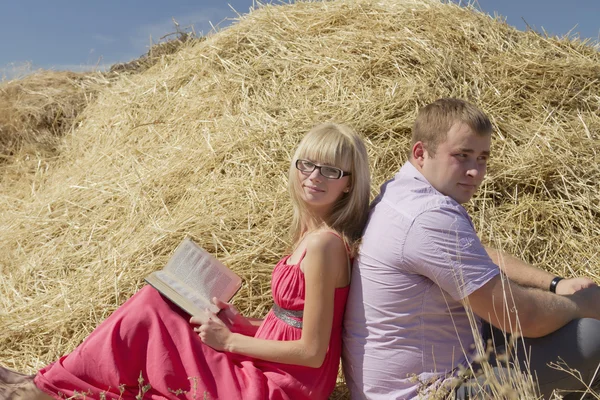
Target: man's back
{"x": 419, "y": 256}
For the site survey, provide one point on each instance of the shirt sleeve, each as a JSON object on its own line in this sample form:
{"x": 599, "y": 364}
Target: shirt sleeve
{"x": 443, "y": 246}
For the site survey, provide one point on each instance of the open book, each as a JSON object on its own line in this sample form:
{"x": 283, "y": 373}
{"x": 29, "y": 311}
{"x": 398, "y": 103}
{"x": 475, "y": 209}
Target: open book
{"x": 192, "y": 277}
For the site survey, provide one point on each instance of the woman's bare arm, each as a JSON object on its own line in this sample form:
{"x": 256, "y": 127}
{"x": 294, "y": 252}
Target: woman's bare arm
{"x": 324, "y": 263}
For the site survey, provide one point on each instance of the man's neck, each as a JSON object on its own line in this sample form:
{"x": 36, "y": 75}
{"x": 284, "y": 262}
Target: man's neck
{"x": 415, "y": 164}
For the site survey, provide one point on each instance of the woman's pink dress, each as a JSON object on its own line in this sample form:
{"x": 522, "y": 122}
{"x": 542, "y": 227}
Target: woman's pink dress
{"x": 149, "y": 335}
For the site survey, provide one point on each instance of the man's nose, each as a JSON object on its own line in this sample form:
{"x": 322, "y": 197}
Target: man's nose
{"x": 476, "y": 171}
{"x": 473, "y": 172}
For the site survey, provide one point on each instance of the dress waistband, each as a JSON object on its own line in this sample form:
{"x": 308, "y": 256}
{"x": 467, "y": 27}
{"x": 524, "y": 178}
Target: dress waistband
{"x": 290, "y": 317}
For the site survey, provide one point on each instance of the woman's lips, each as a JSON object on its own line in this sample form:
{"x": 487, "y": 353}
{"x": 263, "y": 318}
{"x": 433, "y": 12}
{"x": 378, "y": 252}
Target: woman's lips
{"x": 313, "y": 189}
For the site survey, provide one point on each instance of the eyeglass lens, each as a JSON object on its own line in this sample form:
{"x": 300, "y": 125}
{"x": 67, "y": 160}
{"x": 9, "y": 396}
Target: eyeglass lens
{"x": 324, "y": 170}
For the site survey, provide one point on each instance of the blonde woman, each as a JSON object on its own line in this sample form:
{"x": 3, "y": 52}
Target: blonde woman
{"x": 293, "y": 353}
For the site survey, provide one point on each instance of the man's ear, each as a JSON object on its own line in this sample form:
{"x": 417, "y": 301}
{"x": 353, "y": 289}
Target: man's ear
{"x": 418, "y": 153}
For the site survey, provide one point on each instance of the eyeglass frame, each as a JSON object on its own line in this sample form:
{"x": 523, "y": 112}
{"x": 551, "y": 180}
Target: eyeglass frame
{"x": 342, "y": 173}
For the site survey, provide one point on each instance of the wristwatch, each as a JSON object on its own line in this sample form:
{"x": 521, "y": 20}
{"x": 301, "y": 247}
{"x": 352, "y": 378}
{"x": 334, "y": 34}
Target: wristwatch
{"x": 554, "y": 283}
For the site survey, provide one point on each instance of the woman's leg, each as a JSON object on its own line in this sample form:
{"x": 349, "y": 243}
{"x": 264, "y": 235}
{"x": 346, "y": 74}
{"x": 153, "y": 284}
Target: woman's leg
{"x": 146, "y": 347}
{"x": 135, "y": 341}
{"x": 9, "y": 376}
{"x": 17, "y": 386}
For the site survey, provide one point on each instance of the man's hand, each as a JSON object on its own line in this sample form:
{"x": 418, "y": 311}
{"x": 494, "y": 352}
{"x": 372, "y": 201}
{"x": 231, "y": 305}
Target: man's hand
{"x": 572, "y": 285}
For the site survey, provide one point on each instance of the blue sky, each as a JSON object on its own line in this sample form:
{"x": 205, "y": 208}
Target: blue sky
{"x": 79, "y": 35}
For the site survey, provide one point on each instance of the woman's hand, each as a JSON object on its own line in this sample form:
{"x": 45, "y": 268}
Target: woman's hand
{"x": 212, "y": 330}
{"x": 234, "y": 320}
{"x": 229, "y": 314}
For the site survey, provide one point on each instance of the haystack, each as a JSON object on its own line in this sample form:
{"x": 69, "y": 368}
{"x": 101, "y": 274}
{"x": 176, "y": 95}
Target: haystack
{"x": 36, "y": 110}
{"x": 200, "y": 143}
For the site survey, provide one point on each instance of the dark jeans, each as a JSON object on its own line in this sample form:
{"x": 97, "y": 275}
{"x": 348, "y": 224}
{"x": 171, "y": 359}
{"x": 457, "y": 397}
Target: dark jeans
{"x": 575, "y": 347}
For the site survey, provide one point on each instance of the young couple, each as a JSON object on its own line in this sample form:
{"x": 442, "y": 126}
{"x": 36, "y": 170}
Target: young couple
{"x": 419, "y": 270}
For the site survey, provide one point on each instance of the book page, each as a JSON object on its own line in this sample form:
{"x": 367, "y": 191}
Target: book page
{"x": 191, "y": 307}
{"x": 198, "y": 276}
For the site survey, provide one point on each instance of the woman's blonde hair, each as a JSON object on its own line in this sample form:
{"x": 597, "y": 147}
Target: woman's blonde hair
{"x": 340, "y": 146}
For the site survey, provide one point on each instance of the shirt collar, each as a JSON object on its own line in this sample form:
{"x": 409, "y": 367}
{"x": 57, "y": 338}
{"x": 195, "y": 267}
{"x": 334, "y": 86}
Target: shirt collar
{"x": 412, "y": 172}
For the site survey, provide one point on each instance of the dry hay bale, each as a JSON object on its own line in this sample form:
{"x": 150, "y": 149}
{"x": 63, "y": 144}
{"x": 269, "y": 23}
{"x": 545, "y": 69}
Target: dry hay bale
{"x": 35, "y": 113}
{"x": 168, "y": 45}
{"x": 199, "y": 145}
{"x": 39, "y": 108}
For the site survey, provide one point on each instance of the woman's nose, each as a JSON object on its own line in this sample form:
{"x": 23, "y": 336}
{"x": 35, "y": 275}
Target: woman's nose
{"x": 315, "y": 174}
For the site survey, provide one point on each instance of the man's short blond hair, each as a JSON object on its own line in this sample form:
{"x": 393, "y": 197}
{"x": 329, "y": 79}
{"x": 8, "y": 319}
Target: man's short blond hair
{"x": 435, "y": 120}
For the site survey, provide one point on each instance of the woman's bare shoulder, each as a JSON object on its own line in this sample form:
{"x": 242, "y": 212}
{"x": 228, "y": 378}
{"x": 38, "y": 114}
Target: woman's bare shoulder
{"x": 326, "y": 240}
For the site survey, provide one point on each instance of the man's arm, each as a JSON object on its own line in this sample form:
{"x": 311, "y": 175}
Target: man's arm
{"x": 528, "y": 311}
{"x": 527, "y": 275}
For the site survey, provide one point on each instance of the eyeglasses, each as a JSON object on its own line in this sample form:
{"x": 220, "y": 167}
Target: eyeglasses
{"x": 325, "y": 170}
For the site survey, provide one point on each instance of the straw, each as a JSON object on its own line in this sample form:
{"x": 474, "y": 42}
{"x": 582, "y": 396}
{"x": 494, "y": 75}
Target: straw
{"x": 199, "y": 144}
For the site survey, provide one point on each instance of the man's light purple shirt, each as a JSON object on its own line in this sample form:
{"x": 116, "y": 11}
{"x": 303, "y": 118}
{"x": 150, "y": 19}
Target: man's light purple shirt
{"x": 404, "y": 322}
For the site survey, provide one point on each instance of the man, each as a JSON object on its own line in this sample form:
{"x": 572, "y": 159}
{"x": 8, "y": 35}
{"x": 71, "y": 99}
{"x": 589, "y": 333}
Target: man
{"x": 422, "y": 281}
